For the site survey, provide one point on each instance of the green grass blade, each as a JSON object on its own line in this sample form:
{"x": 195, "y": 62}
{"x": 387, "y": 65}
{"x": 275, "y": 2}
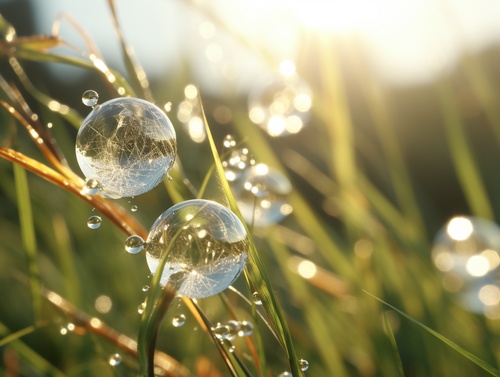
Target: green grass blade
{"x": 476, "y": 360}
{"x": 462, "y": 155}
{"x": 33, "y": 358}
{"x": 18, "y": 334}
{"x": 255, "y": 270}
{"x": 394, "y": 345}
{"x": 28, "y": 236}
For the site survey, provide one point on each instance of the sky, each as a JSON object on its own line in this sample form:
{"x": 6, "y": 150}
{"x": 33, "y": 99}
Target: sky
{"x": 407, "y": 42}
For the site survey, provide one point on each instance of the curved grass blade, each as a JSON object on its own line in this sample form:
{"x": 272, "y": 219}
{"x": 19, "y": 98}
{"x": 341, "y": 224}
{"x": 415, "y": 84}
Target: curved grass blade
{"x": 476, "y": 360}
{"x": 28, "y": 237}
{"x": 255, "y": 270}
{"x": 394, "y": 345}
{"x": 112, "y": 211}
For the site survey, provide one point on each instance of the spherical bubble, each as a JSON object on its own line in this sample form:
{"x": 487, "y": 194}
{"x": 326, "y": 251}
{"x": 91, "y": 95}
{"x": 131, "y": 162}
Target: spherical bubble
{"x": 467, "y": 253}
{"x": 304, "y": 365}
{"x": 205, "y": 246}
{"x": 281, "y": 105}
{"x": 262, "y": 195}
{"x": 128, "y": 145}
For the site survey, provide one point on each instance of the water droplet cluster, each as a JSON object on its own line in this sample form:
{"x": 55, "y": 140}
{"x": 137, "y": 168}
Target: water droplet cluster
{"x": 204, "y": 246}
{"x": 261, "y": 192}
{"x": 467, "y": 253}
{"x": 280, "y": 105}
{"x": 125, "y": 147}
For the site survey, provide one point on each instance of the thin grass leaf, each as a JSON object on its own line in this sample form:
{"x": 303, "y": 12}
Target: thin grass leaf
{"x": 476, "y": 360}
{"x": 394, "y": 345}
{"x": 17, "y": 335}
{"x": 31, "y": 357}
{"x": 28, "y": 237}
{"x": 255, "y": 270}
{"x": 135, "y": 71}
{"x": 462, "y": 155}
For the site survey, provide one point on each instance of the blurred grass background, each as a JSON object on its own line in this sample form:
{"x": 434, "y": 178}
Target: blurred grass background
{"x": 376, "y": 172}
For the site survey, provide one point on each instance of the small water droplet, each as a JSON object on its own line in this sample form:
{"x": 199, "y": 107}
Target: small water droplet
{"x": 94, "y": 222}
{"x": 222, "y": 332}
{"x": 115, "y": 359}
{"x": 90, "y": 98}
{"x": 141, "y": 308}
{"x": 285, "y": 374}
{"x": 179, "y": 320}
{"x": 256, "y": 298}
{"x": 92, "y": 186}
{"x": 229, "y": 141}
{"x": 134, "y": 244}
{"x": 303, "y": 364}
{"x": 169, "y": 178}
{"x": 234, "y": 327}
{"x": 145, "y": 288}
{"x": 246, "y": 328}
{"x": 227, "y": 343}
{"x": 134, "y": 208}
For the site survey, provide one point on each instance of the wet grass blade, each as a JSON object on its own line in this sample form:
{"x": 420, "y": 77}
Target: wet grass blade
{"x": 255, "y": 270}
{"x": 28, "y": 237}
{"x": 394, "y": 345}
{"x": 476, "y": 360}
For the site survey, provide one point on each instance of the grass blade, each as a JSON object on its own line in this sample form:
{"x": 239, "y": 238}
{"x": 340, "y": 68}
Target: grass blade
{"x": 476, "y": 360}
{"x": 394, "y": 345}
{"x": 28, "y": 237}
{"x": 33, "y": 358}
{"x": 462, "y": 156}
{"x": 18, "y": 334}
{"x": 255, "y": 270}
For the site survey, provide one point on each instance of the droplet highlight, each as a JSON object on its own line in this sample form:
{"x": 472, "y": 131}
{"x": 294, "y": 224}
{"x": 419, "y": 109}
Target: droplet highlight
{"x": 246, "y": 328}
{"x": 179, "y": 320}
{"x": 134, "y": 208}
{"x": 128, "y": 145}
{"x": 92, "y": 187}
{"x": 94, "y": 222}
{"x": 115, "y": 359}
{"x": 256, "y": 298}
{"x": 204, "y": 246}
{"x": 134, "y": 244}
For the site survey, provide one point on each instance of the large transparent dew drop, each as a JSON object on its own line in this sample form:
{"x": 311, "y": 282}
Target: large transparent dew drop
{"x": 262, "y": 195}
{"x": 204, "y": 245}
{"x": 280, "y": 105}
{"x": 128, "y": 145}
{"x": 466, "y": 251}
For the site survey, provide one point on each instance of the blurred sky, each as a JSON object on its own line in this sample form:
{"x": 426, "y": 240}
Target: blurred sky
{"x": 407, "y": 42}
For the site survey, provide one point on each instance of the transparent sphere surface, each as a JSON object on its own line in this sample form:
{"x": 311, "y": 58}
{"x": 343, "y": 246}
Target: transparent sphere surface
{"x": 467, "y": 253}
{"x": 262, "y": 193}
{"x": 128, "y": 145}
{"x": 204, "y": 246}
